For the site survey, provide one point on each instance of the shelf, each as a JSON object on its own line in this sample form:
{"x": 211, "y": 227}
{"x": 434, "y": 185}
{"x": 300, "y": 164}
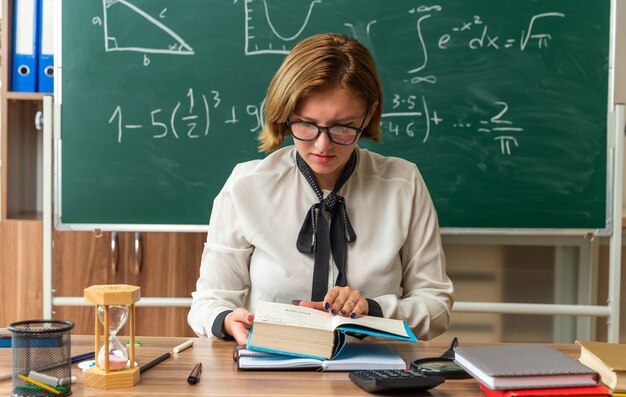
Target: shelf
{"x": 26, "y": 216}
{"x": 22, "y": 168}
{"x": 25, "y": 96}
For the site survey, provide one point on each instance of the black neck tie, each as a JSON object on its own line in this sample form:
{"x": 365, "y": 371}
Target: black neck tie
{"x": 316, "y": 237}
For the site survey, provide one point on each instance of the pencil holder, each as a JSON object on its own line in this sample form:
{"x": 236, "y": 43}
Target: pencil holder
{"x": 41, "y": 357}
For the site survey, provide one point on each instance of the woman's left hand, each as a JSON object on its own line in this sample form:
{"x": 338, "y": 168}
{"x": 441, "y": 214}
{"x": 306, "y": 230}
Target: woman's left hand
{"x": 343, "y": 301}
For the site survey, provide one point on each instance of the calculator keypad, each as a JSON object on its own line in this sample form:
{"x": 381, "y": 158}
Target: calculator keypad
{"x": 394, "y": 379}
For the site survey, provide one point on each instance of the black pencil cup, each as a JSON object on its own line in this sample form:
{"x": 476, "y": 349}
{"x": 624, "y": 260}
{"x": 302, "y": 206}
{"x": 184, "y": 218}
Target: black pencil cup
{"x": 41, "y": 358}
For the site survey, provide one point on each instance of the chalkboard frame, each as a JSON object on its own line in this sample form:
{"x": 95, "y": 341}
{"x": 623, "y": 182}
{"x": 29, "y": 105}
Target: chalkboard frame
{"x": 61, "y": 225}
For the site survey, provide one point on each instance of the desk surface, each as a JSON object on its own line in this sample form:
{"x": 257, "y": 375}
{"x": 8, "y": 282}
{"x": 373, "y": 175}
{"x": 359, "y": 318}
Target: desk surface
{"x": 220, "y": 376}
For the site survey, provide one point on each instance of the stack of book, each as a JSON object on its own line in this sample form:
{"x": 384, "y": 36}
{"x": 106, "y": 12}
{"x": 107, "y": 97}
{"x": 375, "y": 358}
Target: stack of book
{"x": 528, "y": 370}
{"x": 609, "y": 360}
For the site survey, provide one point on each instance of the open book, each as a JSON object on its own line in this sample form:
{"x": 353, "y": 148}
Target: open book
{"x": 353, "y": 357}
{"x": 305, "y": 332}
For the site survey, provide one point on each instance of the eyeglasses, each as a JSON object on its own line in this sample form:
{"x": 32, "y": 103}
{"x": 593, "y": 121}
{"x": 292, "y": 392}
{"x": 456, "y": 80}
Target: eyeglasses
{"x": 338, "y": 133}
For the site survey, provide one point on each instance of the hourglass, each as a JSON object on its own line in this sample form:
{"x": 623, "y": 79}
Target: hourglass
{"x": 115, "y": 304}
{"x": 117, "y": 315}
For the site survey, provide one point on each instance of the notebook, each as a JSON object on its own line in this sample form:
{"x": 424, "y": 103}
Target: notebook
{"x": 523, "y": 366}
{"x": 583, "y": 391}
{"x": 352, "y": 357}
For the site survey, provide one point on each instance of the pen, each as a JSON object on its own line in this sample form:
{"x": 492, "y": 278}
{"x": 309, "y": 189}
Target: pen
{"x": 154, "y": 362}
{"x": 183, "y": 346}
{"x": 82, "y": 357}
{"x": 194, "y": 376}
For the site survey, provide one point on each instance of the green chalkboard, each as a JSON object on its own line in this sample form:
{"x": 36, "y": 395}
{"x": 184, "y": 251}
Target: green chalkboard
{"x": 502, "y": 104}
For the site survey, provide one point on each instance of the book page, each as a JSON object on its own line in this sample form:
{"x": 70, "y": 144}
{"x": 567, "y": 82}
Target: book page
{"x": 365, "y": 356}
{"x": 296, "y": 316}
{"x": 388, "y": 325}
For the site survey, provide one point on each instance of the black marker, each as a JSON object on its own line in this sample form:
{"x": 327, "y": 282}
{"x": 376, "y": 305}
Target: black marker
{"x": 82, "y": 357}
{"x": 194, "y": 376}
{"x": 154, "y": 362}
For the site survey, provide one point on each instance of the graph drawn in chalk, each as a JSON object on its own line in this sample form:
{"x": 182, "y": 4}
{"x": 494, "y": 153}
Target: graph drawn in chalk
{"x": 129, "y": 28}
{"x": 265, "y": 35}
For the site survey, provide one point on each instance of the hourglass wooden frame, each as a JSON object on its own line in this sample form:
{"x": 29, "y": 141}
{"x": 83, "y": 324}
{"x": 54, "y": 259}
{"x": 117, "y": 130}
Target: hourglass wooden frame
{"x": 112, "y": 295}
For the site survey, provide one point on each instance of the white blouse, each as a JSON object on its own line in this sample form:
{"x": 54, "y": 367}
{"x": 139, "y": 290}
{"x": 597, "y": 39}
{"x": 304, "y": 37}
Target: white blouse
{"x": 251, "y": 255}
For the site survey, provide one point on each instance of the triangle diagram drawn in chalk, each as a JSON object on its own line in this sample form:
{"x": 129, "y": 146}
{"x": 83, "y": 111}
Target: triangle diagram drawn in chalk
{"x": 129, "y": 28}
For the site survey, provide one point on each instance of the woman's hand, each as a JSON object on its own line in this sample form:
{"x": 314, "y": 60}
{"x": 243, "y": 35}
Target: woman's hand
{"x": 343, "y": 301}
{"x": 237, "y": 324}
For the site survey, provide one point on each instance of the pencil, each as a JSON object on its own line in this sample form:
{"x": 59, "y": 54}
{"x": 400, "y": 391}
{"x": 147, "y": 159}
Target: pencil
{"x": 34, "y": 382}
{"x": 74, "y": 359}
{"x": 154, "y": 362}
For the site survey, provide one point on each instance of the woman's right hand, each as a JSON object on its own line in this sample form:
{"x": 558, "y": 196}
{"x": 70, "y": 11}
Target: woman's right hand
{"x": 237, "y": 324}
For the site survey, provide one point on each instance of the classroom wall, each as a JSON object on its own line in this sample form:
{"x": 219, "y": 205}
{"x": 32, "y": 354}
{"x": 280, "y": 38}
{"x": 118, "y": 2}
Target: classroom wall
{"x": 526, "y": 273}
{"x": 620, "y": 67}
{"x": 620, "y": 97}
{"x": 620, "y": 56}
{"x": 510, "y": 273}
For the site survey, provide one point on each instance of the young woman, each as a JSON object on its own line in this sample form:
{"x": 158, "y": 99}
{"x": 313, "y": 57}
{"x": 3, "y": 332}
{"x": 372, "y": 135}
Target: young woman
{"x": 323, "y": 223}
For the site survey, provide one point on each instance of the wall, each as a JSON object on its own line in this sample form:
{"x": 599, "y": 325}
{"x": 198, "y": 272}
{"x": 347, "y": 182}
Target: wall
{"x": 620, "y": 97}
{"x": 526, "y": 273}
{"x": 620, "y": 66}
{"x": 509, "y": 273}
{"x": 620, "y": 58}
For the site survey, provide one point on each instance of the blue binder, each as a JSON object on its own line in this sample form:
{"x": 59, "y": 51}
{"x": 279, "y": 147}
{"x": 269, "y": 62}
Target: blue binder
{"x": 45, "y": 77}
{"x": 24, "y": 68}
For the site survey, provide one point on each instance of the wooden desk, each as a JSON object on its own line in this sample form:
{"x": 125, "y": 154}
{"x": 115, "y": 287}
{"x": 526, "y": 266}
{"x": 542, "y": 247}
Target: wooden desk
{"x": 220, "y": 376}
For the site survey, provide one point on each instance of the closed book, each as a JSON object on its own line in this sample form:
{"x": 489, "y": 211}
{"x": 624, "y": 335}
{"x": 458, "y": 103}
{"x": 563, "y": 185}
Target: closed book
{"x": 583, "y": 391}
{"x": 609, "y": 359}
{"x": 31, "y": 342}
{"x": 5, "y": 337}
{"x": 352, "y": 357}
{"x": 523, "y": 366}
{"x": 305, "y": 332}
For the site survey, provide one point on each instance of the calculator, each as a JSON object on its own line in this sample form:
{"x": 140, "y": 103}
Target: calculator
{"x": 388, "y": 380}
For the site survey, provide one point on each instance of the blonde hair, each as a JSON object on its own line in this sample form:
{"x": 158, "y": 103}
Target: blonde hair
{"x": 316, "y": 64}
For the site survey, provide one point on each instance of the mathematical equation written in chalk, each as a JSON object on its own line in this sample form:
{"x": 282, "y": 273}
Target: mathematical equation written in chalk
{"x": 195, "y": 115}
{"x": 190, "y": 118}
{"x": 475, "y": 34}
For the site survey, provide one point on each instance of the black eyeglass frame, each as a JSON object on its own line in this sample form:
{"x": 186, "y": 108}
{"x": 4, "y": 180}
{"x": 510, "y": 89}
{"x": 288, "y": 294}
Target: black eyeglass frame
{"x": 320, "y": 128}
